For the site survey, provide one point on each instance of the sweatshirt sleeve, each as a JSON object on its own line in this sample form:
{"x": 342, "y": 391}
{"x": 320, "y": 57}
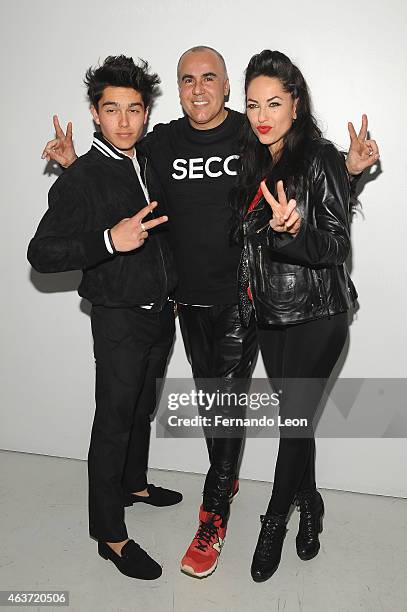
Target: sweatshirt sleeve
{"x": 63, "y": 240}
{"x": 325, "y": 242}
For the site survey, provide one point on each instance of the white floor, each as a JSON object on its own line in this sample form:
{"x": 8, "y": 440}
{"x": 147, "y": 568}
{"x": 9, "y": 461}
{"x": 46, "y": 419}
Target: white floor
{"x": 362, "y": 564}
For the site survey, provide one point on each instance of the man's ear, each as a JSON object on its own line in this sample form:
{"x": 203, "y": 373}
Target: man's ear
{"x": 146, "y": 114}
{"x": 179, "y": 91}
{"x": 95, "y": 115}
{"x": 226, "y": 88}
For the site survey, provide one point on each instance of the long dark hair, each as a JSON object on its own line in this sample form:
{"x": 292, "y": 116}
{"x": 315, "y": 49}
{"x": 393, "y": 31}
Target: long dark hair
{"x": 256, "y": 162}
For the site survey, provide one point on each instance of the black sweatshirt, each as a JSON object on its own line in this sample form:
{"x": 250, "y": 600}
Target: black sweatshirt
{"x": 93, "y": 194}
{"x": 197, "y": 169}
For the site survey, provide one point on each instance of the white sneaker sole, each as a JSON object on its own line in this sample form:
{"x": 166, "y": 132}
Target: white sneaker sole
{"x": 187, "y": 569}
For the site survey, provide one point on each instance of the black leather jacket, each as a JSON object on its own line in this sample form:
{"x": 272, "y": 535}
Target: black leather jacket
{"x": 303, "y": 277}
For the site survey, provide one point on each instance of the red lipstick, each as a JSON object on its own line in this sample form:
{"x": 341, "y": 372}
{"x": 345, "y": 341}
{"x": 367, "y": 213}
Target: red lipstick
{"x": 263, "y": 129}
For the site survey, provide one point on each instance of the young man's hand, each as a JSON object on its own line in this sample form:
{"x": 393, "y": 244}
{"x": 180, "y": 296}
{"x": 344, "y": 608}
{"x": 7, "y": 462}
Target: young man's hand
{"x": 363, "y": 152}
{"x": 131, "y": 233}
{"x": 61, "y": 148}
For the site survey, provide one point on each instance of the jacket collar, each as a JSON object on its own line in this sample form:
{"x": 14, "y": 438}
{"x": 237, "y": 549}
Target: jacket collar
{"x": 106, "y": 148}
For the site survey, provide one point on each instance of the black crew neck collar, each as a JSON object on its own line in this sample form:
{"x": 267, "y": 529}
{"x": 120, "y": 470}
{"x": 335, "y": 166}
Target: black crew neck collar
{"x": 212, "y": 131}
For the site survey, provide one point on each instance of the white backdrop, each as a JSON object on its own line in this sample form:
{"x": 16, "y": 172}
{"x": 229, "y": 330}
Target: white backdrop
{"x": 353, "y": 56}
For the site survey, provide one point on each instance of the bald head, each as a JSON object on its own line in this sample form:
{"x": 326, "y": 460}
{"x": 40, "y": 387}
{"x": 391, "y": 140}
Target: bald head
{"x": 200, "y": 49}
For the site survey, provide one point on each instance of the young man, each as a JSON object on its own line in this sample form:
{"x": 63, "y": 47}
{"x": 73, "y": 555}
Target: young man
{"x": 100, "y": 220}
{"x": 196, "y": 158}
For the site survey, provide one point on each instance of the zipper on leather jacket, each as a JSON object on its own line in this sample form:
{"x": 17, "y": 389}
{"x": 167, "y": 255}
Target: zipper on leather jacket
{"x": 322, "y": 292}
{"x": 325, "y": 297}
{"x": 260, "y": 252}
{"x": 317, "y": 286}
{"x": 158, "y": 241}
{"x": 262, "y": 228}
{"x": 245, "y": 250}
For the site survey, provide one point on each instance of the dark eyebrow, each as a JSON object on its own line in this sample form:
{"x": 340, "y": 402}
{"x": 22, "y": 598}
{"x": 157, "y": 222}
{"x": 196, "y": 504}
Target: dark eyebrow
{"x": 108, "y": 103}
{"x": 269, "y": 100}
{"x": 191, "y": 76}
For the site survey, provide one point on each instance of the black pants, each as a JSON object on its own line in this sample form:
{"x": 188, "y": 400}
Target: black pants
{"x": 131, "y": 347}
{"x": 299, "y": 359}
{"x": 219, "y": 347}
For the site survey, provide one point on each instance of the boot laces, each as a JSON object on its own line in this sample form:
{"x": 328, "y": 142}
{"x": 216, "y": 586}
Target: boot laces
{"x": 207, "y": 532}
{"x": 268, "y": 533}
{"x": 307, "y": 516}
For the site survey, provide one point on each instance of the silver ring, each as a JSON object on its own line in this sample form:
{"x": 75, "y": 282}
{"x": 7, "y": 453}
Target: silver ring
{"x": 142, "y": 226}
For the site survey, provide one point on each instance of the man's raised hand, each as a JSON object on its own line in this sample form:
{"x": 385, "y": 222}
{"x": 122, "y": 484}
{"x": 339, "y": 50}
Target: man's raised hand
{"x": 285, "y": 215}
{"x": 61, "y": 148}
{"x": 363, "y": 152}
{"x": 130, "y": 233}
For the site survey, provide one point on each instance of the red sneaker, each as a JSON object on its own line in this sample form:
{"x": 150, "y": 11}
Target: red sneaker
{"x": 202, "y": 556}
{"x": 235, "y": 490}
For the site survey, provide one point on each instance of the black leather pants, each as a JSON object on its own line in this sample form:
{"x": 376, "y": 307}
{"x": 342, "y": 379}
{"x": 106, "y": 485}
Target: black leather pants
{"x": 219, "y": 348}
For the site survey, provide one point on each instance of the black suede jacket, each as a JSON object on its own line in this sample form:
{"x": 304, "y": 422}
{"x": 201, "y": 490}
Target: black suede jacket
{"x": 94, "y": 194}
{"x": 303, "y": 277}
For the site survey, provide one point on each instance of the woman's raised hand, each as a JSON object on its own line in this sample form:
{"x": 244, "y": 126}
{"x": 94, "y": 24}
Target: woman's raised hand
{"x": 363, "y": 152}
{"x": 285, "y": 215}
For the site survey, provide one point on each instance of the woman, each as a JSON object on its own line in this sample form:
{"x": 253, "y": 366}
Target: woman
{"x": 295, "y": 231}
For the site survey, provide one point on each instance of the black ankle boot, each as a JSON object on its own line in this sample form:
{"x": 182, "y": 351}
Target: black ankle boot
{"x": 267, "y": 555}
{"x": 311, "y": 508}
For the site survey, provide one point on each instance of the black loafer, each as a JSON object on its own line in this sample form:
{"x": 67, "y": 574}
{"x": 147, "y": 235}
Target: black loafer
{"x": 157, "y": 496}
{"x": 134, "y": 562}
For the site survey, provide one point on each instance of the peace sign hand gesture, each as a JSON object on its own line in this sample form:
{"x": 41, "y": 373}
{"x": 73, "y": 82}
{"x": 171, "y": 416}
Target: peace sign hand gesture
{"x": 285, "y": 215}
{"x": 363, "y": 152}
{"x": 130, "y": 233}
{"x": 61, "y": 148}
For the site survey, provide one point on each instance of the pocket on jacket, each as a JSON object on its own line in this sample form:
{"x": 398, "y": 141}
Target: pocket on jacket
{"x": 282, "y": 287}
